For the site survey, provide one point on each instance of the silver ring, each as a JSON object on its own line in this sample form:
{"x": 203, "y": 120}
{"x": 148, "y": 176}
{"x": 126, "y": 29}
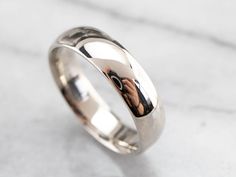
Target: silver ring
{"x": 126, "y": 76}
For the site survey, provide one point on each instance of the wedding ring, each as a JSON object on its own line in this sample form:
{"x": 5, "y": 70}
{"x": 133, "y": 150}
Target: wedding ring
{"x": 125, "y": 75}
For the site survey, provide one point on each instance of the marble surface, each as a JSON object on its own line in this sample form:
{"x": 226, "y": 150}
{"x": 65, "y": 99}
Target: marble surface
{"x": 187, "y": 47}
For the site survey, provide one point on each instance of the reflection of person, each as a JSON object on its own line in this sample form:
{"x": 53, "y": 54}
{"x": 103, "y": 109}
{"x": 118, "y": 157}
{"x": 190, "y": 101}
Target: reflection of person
{"x": 132, "y": 97}
{"x": 130, "y": 92}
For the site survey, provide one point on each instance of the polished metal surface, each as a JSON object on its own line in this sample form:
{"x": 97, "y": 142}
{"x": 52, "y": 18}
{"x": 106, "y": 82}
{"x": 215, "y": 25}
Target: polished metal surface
{"x": 121, "y": 71}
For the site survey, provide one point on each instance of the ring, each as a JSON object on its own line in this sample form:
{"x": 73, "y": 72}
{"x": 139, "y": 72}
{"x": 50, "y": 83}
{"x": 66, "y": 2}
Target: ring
{"x": 126, "y": 77}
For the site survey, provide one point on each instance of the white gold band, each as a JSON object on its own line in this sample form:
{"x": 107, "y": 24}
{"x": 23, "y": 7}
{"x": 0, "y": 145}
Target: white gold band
{"x": 123, "y": 72}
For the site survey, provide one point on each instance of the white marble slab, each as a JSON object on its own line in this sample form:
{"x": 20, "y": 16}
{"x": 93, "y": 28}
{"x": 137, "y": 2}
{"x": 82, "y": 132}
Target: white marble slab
{"x": 187, "y": 47}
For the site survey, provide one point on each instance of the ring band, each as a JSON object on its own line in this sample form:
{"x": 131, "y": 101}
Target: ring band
{"x": 123, "y": 73}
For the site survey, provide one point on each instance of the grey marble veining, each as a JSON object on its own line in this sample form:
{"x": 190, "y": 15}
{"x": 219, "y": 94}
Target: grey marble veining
{"x": 114, "y": 12}
{"x": 188, "y": 49}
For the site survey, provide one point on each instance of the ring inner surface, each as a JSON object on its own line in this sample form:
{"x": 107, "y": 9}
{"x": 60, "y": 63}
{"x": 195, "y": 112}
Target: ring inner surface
{"x": 88, "y": 105}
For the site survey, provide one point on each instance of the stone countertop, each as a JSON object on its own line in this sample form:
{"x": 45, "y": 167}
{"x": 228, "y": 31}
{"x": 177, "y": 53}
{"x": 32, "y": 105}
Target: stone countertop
{"x": 187, "y": 47}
